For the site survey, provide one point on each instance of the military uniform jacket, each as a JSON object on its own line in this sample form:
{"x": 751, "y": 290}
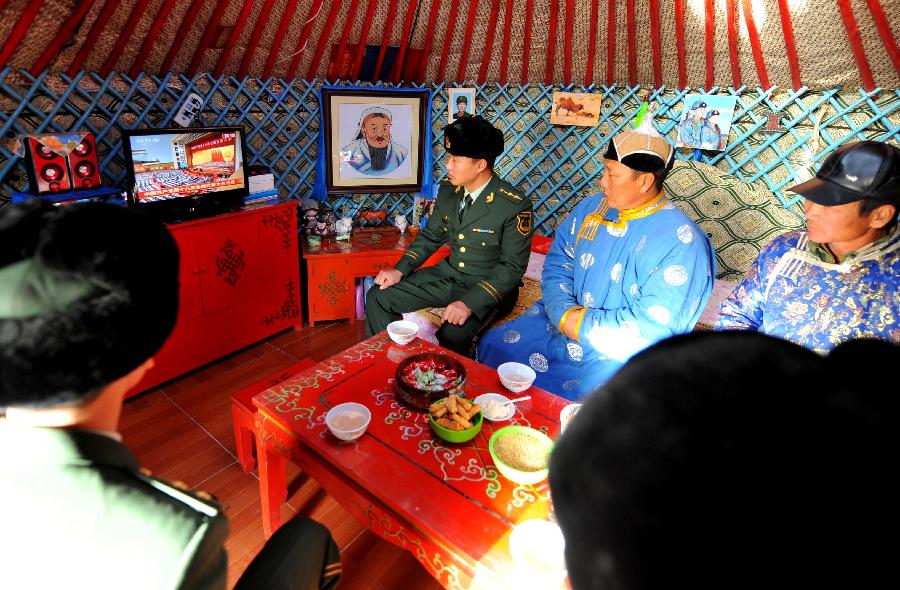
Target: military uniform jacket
{"x": 489, "y": 248}
{"x": 77, "y": 513}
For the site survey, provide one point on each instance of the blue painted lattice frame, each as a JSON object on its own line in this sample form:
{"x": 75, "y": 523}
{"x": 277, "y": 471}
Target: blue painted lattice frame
{"x": 556, "y": 166}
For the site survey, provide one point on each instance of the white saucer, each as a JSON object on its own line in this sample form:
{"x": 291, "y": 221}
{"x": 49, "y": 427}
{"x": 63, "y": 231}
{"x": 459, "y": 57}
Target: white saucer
{"x": 495, "y": 397}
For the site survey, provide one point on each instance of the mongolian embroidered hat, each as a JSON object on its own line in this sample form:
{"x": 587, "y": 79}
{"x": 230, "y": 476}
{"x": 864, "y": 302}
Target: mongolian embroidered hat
{"x": 867, "y": 169}
{"x": 642, "y": 149}
{"x": 473, "y": 137}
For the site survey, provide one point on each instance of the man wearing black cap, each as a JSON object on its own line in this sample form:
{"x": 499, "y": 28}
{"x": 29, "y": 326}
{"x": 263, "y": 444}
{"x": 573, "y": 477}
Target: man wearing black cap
{"x": 88, "y": 294}
{"x": 839, "y": 278}
{"x": 626, "y": 268}
{"x": 488, "y": 224}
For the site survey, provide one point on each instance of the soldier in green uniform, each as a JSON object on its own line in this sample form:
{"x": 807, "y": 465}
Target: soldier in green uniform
{"x": 488, "y": 224}
{"x": 88, "y": 294}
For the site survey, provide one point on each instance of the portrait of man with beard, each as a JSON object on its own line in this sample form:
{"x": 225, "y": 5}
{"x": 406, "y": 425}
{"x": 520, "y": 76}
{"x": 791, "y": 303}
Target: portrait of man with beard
{"x": 373, "y": 152}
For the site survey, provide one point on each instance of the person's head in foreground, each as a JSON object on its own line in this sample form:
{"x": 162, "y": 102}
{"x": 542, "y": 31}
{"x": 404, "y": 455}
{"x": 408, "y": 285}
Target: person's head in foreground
{"x": 854, "y": 198}
{"x": 636, "y": 163}
{"x": 88, "y": 294}
{"x": 473, "y": 144}
{"x": 732, "y": 460}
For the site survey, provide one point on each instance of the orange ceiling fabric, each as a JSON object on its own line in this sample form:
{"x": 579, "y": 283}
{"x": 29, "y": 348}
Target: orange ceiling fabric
{"x": 788, "y": 43}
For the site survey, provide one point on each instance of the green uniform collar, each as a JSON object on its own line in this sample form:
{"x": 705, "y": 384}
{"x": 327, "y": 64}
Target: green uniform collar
{"x": 822, "y": 253}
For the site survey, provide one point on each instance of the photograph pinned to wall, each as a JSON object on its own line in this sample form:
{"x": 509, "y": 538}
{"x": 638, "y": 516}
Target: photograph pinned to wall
{"x": 575, "y": 108}
{"x": 460, "y": 103}
{"x": 374, "y": 139}
{"x": 706, "y": 121}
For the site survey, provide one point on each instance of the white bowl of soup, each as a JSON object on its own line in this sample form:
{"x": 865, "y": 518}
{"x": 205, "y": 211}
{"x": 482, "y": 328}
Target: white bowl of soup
{"x": 402, "y": 331}
{"x": 348, "y": 421}
{"x": 516, "y": 377}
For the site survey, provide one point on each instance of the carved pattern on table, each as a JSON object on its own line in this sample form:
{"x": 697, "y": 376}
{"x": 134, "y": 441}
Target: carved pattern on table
{"x": 282, "y": 395}
{"x": 333, "y": 288}
{"x": 230, "y": 262}
{"x": 281, "y": 222}
{"x": 289, "y": 309}
{"x": 447, "y": 575}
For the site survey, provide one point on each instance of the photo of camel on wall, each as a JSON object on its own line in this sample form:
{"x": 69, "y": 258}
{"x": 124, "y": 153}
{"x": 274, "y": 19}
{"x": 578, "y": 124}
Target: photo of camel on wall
{"x": 575, "y": 108}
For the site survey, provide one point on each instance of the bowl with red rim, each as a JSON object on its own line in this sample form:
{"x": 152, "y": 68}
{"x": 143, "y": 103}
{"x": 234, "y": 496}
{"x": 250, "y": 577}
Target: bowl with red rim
{"x": 424, "y": 378}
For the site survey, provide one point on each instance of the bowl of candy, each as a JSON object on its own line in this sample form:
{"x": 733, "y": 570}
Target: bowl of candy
{"x": 424, "y": 378}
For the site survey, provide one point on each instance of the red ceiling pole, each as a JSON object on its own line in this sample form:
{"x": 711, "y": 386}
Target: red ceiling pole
{"x": 258, "y": 29}
{"x": 19, "y": 31}
{"x": 632, "y": 43}
{"x": 655, "y": 41}
{"x": 208, "y": 34}
{"x": 61, "y": 37}
{"x": 363, "y": 40}
{"x": 679, "y": 43}
{"x": 289, "y": 10}
{"x": 731, "y": 17}
{"x": 348, "y": 27}
{"x": 467, "y": 40}
{"x": 150, "y": 40}
{"x": 397, "y": 70}
{"x": 570, "y": 16}
{"x": 126, "y": 35}
{"x": 610, "y": 41}
{"x": 385, "y": 37}
{"x": 186, "y": 23}
{"x": 489, "y": 41}
{"x": 448, "y": 40}
{"x": 429, "y": 38}
{"x": 304, "y": 37}
{"x": 788, "y": 34}
{"x": 236, "y": 31}
{"x": 592, "y": 45}
{"x": 324, "y": 41}
{"x": 504, "y": 45}
{"x": 105, "y": 14}
{"x": 856, "y": 45}
{"x": 884, "y": 31}
{"x": 755, "y": 45}
{"x": 551, "y": 43}
{"x": 710, "y": 16}
{"x": 526, "y": 48}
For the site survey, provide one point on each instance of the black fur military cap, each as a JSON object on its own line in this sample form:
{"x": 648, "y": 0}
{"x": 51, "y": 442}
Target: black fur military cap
{"x": 473, "y": 137}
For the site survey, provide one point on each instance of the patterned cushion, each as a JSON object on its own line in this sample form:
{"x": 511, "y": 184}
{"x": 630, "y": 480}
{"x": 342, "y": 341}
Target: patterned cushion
{"x": 739, "y": 218}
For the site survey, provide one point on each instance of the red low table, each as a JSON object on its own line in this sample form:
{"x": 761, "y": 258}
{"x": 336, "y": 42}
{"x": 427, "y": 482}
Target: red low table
{"x": 445, "y": 503}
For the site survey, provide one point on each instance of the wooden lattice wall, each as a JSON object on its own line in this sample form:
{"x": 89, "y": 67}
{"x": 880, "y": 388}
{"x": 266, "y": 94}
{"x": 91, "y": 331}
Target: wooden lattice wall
{"x": 556, "y": 166}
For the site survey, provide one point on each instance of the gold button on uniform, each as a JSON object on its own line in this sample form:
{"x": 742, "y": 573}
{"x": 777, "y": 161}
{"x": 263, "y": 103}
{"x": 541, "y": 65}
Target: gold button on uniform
{"x": 462, "y": 237}
{"x": 462, "y": 249}
{"x": 462, "y": 264}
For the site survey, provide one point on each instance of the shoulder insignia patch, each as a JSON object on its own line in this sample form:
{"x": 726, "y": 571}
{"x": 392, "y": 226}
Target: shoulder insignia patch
{"x": 490, "y": 198}
{"x": 523, "y": 222}
{"x": 513, "y": 196}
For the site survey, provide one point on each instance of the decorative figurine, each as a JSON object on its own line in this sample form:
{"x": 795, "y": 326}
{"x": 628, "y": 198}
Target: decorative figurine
{"x": 343, "y": 227}
{"x": 400, "y": 223}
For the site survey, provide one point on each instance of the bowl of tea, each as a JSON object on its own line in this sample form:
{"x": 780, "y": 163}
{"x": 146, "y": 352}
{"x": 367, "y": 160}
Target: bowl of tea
{"x": 516, "y": 377}
{"x": 348, "y": 421}
{"x": 402, "y": 331}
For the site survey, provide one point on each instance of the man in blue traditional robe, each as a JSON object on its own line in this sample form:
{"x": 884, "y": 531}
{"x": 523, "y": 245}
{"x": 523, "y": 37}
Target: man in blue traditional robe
{"x": 626, "y": 268}
{"x": 839, "y": 279}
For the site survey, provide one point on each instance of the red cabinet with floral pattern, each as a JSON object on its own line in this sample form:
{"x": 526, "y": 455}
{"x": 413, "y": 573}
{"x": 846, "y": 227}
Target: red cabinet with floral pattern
{"x": 240, "y": 283}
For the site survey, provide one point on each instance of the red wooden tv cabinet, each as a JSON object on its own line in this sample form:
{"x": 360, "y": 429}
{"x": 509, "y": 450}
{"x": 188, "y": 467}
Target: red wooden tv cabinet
{"x": 240, "y": 282}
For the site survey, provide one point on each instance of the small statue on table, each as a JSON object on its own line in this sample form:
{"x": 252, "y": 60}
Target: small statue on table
{"x": 401, "y": 223}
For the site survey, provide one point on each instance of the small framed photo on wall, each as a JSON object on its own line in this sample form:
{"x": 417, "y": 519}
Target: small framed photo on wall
{"x": 374, "y": 139}
{"x": 460, "y": 103}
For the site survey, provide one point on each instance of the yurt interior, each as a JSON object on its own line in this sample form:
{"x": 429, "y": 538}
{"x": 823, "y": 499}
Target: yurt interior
{"x": 387, "y": 209}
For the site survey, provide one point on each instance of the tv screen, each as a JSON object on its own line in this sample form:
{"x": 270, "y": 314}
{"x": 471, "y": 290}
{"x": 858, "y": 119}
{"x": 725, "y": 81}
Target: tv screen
{"x": 172, "y": 166}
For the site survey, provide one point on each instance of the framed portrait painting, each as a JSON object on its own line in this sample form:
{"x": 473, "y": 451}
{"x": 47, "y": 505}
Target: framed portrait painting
{"x": 460, "y": 103}
{"x": 374, "y": 139}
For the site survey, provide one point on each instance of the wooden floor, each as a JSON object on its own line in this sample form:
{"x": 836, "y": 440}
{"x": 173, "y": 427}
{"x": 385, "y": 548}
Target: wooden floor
{"x": 182, "y": 431}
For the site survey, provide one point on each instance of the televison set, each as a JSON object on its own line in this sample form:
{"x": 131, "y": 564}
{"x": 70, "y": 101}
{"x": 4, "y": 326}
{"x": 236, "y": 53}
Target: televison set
{"x": 185, "y": 171}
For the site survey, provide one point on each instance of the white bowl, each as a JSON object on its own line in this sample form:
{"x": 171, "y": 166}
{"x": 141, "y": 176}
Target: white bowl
{"x": 348, "y": 421}
{"x": 486, "y": 399}
{"x": 538, "y": 547}
{"x": 402, "y": 331}
{"x": 566, "y": 415}
{"x": 506, "y": 370}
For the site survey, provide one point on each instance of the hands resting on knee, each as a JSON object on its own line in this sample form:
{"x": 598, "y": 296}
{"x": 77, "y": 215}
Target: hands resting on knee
{"x": 456, "y": 313}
